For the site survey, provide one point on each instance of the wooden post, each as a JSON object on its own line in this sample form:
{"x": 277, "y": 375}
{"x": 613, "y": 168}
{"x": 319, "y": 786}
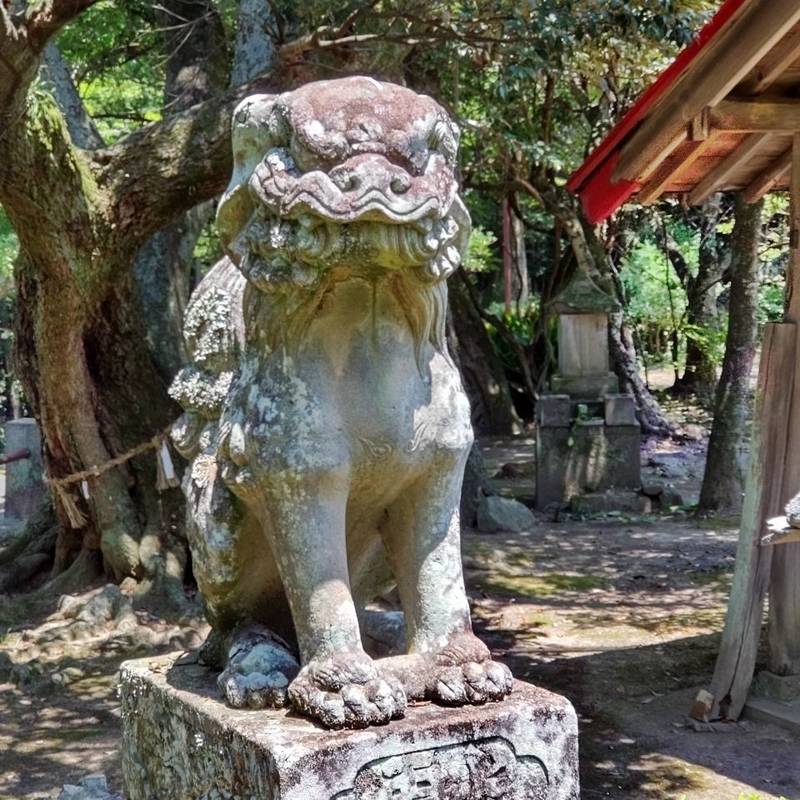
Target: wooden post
{"x": 739, "y": 647}
{"x": 773, "y": 479}
{"x": 784, "y": 589}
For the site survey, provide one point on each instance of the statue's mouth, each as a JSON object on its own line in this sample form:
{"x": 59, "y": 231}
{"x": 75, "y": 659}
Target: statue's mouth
{"x": 365, "y": 188}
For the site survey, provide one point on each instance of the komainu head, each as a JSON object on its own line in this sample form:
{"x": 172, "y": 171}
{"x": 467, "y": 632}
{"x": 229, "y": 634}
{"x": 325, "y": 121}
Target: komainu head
{"x": 339, "y": 179}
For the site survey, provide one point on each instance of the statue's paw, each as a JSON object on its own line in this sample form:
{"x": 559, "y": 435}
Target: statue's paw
{"x": 256, "y": 690}
{"x": 463, "y": 673}
{"x": 260, "y": 668}
{"x": 347, "y": 692}
{"x": 473, "y": 683}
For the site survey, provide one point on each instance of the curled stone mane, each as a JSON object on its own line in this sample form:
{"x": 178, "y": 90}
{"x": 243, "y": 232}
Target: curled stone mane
{"x": 331, "y": 186}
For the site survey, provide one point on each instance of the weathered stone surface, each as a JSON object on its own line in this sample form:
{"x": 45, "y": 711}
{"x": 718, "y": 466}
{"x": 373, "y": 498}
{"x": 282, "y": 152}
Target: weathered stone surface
{"x": 585, "y": 387}
{"x": 620, "y": 409}
{"x": 554, "y": 411}
{"x": 92, "y": 787}
{"x": 504, "y": 514}
{"x": 322, "y": 406}
{"x": 589, "y": 457}
{"x": 583, "y": 296}
{"x": 583, "y": 345}
{"x": 25, "y": 488}
{"x": 180, "y": 741}
{"x": 781, "y": 688}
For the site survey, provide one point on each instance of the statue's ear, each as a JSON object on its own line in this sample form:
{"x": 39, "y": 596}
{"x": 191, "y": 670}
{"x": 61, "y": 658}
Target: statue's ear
{"x": 254, "y": 131}
{"x": 460, "y": 214}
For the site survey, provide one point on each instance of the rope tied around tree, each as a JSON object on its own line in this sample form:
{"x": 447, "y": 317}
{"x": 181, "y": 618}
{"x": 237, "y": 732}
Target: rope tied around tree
{"x": 166, "y": 478}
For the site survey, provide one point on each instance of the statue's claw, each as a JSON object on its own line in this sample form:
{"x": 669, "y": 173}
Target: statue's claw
{"x": 473, "y": 683}
{"x": 463, "y": 673}
{"x": 347, "y": 692}
{"x": 260, "y": 668}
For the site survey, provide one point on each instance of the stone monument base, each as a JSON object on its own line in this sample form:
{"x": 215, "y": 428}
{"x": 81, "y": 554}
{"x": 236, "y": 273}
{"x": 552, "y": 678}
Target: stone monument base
{"x": 776, "y": 699}
{"x": 181, "y": 741}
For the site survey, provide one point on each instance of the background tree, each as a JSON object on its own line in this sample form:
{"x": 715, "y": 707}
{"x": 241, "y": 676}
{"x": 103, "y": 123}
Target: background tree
{"x": 115, "y": 141}
{"x": 723, "y": 482}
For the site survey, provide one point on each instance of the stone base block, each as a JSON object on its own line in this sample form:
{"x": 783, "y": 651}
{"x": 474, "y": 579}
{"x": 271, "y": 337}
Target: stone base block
{"x": 25, "y": 488}
{"x": 785, "y": 715}
{"x": 585, "y": 386}
{"x": 589, "y": 457}
{"x": 181, "y": 741}
{"x": 781, "y": 688}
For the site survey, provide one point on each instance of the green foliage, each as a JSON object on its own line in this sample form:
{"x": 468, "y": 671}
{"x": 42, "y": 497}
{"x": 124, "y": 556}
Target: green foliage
{"x": 115, "y": 52}
{"x": 8, "y": 251}
{"x": 771, "y": 297}
{"x": 656, "y": 303}
{"x": 482, "y": 256}
{"x": 207, "y": 250}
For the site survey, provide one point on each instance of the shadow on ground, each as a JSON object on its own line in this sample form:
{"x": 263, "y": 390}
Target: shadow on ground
{"x": 624, "y": 619}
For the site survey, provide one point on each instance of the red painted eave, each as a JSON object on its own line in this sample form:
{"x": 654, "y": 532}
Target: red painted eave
{"x": 592, "y": 181}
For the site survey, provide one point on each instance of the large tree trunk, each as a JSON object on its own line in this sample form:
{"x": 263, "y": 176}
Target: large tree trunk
{"x": 81, "y": 346}
{"x": 723, "y": 482}
{"x": 481, "y": 369}
{"x": 700, "y": 373}
{"x": 81, "y": 349}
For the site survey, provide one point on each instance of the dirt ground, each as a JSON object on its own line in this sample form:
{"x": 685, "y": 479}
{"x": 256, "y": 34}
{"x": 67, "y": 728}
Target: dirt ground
{"x": 620, "y": 614}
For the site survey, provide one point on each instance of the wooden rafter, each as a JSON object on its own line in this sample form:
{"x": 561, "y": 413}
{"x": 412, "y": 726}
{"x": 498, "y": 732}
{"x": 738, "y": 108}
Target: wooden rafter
{"x": 715, "y": 73}
{"x": 773, "y": 66}
{"x": 766, "y": 180}
{"x": 717, "y": 177}
{"x": 669, "y": 171}
{"x": 751, "y": 116}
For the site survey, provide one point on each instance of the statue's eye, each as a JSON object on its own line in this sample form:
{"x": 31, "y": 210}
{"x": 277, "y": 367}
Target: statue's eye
{"x": 305, "y": 158}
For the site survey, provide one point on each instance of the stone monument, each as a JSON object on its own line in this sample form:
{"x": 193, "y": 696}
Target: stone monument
{"x": 587, "y": 434}
{"x": 327, "y": 432}
{"x": 25, "y": 489}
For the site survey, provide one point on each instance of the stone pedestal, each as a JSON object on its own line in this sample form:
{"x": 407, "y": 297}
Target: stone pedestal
{"x": 589, "y": 456}
{"x": 587, "y": 434}
{"x": 776, "y": 699}
{"x": 24, "y": 485}
{"x": 180, "y": 741}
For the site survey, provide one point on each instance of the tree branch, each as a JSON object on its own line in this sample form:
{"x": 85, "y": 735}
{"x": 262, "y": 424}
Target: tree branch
{"x": 158, "y": 172}
{"x": 46, "y": 19}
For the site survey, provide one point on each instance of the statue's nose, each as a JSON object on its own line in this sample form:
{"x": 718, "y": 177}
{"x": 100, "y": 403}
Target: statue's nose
{"x": 366, "y": 173}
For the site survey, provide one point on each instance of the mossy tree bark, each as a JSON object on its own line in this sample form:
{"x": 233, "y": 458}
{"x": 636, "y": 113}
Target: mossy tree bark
{"x": 723, "y": 481}
{"x": 81, "y": 217}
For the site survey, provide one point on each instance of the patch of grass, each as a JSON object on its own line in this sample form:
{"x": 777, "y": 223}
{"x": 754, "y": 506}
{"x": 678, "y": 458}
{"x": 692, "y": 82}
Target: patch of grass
{"x": 708, "y": 619}
{"x": 545, "y": 585}
{"x": 717, "y": 523}
{"x": 718, "y": 580}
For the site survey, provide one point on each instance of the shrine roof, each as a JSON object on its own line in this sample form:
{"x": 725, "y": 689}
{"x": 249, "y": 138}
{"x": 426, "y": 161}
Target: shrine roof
{"x": 722, "y": 116}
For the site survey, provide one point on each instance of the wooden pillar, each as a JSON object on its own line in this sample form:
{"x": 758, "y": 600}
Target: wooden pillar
{"x": 736, "y": 661}
{"x": 784, "y": 589}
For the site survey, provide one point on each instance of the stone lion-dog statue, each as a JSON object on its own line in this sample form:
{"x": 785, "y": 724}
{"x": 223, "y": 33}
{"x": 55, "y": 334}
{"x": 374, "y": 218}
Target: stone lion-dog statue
{"x": 326, "y": 424}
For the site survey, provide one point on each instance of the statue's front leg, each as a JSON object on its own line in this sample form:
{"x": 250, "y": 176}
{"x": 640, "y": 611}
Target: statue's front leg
{"x": 339, "y": 685}
{"x": 446, "y": 661}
